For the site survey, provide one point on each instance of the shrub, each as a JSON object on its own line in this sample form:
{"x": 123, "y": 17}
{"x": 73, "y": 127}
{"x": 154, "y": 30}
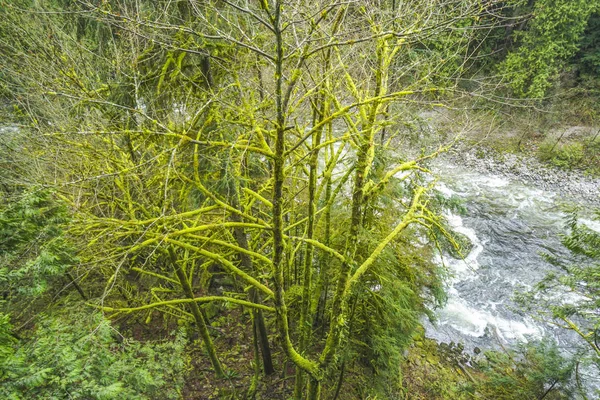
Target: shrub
{"x": 567, "y": 156}
{"x": 83, "y": 357}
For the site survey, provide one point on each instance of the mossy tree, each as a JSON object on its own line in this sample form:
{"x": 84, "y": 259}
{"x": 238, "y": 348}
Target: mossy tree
{"x": 243, "y": 143}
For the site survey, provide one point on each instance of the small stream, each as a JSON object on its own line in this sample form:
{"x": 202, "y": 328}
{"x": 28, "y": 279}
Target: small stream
{"x": 510, "y": 225}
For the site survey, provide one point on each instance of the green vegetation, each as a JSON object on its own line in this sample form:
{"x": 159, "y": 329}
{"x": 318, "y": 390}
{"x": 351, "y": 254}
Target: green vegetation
{"x": 564, "y": 156}
{"x": 553, "y": 35}
{"x": 441, "y": 371}
{"x": 583, "y": 155}
{"x": 209, "y": 199}
{"x": 80, "y": 356}
{"x": 580, "y": 280}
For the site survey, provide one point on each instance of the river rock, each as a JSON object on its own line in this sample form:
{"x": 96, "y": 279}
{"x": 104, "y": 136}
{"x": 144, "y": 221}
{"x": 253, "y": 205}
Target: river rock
{"x": 567, "y": 184}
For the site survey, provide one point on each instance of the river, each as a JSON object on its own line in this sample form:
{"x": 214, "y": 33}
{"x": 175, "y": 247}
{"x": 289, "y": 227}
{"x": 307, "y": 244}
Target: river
{"x": 510, "y": 224}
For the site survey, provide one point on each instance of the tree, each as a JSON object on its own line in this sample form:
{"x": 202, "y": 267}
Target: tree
{"x": 588, "y": 57}
{"x": 243, "y": 144}
{"x": 552, "y": 36}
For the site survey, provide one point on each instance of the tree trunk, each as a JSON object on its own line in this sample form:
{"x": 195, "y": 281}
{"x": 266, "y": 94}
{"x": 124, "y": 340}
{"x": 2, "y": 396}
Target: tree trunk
{"x": 246, "y": 262}
{"x": 200, "y": 321}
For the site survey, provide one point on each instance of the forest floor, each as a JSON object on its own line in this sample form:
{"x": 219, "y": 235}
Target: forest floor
{"x": 238, "y": 362}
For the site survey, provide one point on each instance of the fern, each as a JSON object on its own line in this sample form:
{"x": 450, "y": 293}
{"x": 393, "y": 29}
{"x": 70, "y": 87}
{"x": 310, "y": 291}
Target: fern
{"x": 77, "y": 356}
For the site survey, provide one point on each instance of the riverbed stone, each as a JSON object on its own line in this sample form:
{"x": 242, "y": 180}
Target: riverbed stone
{"x": 528, "y": 170}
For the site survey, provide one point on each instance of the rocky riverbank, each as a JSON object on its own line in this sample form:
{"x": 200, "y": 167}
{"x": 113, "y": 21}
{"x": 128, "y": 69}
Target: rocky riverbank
{"x": 568, "y": 184}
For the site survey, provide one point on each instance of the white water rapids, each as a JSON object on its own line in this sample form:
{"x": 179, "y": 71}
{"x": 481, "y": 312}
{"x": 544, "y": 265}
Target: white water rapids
{"x": 509, "y": 224}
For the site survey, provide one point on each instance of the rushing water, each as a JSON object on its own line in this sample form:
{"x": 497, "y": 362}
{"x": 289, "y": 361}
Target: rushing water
{"x": 510, "y": 225}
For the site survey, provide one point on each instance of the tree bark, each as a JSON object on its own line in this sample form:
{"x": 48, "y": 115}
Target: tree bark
{"x": 200, "y": 321}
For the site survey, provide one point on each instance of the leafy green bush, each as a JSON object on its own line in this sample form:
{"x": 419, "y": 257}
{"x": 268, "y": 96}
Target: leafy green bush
{"x": 442, "y": 371}
{"x": 7, "y": 340}
{"x": 430, "y": 373}
{"x": 33, "y": 250}
{"x": 536, "y": 370}
{"x": 591, "y": 159}
{"x": 80, "y": 356}
{"x": 565, "y": 156}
